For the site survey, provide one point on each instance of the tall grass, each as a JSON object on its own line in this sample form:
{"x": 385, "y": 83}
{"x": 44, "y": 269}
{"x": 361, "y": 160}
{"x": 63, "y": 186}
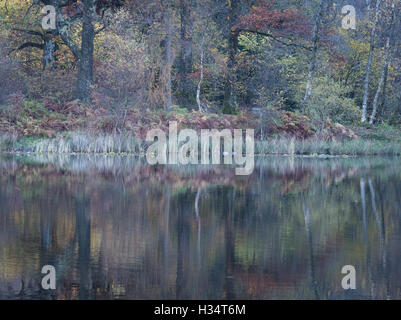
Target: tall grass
{"x": 83, "y": 142}
{"x": 8, "y": 142}
{"x": 357, "y": 147}
{"x": 87, "y": 143}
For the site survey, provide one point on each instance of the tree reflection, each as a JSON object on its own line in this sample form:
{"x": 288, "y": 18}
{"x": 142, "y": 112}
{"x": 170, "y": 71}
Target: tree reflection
{"x": 122, "y": 229}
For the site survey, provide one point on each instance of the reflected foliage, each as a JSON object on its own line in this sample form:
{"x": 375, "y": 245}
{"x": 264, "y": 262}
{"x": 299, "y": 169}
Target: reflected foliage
{"x": 116, "y": 228}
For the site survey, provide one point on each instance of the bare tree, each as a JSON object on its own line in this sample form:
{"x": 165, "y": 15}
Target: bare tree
{"x": 198, "y": 91}
{"x": 168, "y": 54}
{"x": 68, "y": 12}
{"x": 232, "y": 36}
{"x": 369, "y": 64}
{"x": 385, "y": 65}
{"x": 185, "y": 60}
{"x": 46, "y": 44}
{"x": 315, "y": 40}
{"x": 85, "y": 66}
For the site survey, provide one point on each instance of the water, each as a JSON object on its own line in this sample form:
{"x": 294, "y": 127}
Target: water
{"x": 116, "y": 228}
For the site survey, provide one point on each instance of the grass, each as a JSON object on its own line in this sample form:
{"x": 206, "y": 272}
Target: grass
{"x": 76, "y": 142}
{"x": 83, "y": 142}
{"x": 356, "y": 147}
{"x": 52, "y": 128}
{"x": 8, "y": 142}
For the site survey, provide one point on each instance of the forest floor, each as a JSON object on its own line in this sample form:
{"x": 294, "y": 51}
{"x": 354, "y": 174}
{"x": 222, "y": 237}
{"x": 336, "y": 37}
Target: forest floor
{"x": 30, "y": 126}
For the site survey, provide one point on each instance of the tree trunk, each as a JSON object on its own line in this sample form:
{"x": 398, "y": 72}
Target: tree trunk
{"x": 85, "y": 64}
{"x": 369, "y": 64}
{"x": 229, "y": 91}
{"x": 383, "y": 105}
{"x": 185, "y": 62}
{"x": 63, "y": 29}
{"x": 382, "y": 78}
{"x": 168, "y": 56}
{"x": 368, "y": 7}
{"x": 48, "y": 52}
{"x": 198, "y": 91}
{"x": 312, "y": 64}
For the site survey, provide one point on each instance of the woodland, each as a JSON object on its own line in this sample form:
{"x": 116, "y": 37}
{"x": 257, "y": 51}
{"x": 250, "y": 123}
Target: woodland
{"x": 313, "y": 70}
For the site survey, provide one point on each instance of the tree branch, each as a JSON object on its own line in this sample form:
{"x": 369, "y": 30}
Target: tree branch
{"x": 265, "y": 34}
{"x": 102, "y": 28}
{"x": 27, "y": 45}
{"x": 31, "y": 32}
{"x": 30, "y": 44}
{"x": 63, "y": 26}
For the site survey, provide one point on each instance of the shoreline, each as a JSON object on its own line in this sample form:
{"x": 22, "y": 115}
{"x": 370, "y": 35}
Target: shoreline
{"x": 73, "y": 143}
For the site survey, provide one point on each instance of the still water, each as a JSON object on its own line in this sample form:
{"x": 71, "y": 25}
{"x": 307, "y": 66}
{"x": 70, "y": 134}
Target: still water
{"x": 116, "y": 228}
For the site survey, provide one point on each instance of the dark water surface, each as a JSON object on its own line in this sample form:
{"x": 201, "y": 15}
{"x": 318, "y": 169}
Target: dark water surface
{"x": 114, "y": 227}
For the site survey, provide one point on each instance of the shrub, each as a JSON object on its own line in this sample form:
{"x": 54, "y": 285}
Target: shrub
{"x": 330, "y": 100}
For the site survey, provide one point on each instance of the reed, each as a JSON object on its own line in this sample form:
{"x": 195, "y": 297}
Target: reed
{"x": 82, "y": 142}
{"x": 85, "y": 142}
{"x": 356, "y": 147}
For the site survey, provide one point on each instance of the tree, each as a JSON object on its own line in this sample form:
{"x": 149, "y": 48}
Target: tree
{"x": 47, "y": 45}
{"x": 229, "y": 104}
{"x": 168, "y": 53}
{"x": 369, "y": 64}
{"x": 85, "y": 66}
{"x": 185, "y": 60}
{"x": 25, "y": 25}
{"x": 315, "y": 44}
{"x": 69, "y": 12}
{"x": 385, "y": 64}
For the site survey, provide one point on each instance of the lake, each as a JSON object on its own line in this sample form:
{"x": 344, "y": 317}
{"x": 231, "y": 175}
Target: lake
{"x": 117, "y": 228}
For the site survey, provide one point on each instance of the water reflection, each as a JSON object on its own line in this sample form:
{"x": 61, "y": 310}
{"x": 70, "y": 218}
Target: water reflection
{"x": 114, "y": 227}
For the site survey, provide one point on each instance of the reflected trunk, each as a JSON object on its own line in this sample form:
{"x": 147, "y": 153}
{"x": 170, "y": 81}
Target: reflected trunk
{"x": 366, "y": 237}
{"x": 310, "y": 246}
{"x": 83, "y": 230}
{"x": 183, "y": 239}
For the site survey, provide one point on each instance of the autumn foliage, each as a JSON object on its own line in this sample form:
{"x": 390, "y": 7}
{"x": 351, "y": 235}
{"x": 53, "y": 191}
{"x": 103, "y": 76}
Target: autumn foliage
{"x": 266, "y": 18}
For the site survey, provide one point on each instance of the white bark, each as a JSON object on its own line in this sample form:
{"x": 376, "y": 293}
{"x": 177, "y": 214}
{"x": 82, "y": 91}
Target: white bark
{"x": 168, "y": 56}
{"x": 315, "y": 41}
{"x": 380, "y": 86}
{"x": 385, "y": 67}
{"x": 368, "y": 7}
{"x": 369, "y": 64}
{"x": 198, "y": 91}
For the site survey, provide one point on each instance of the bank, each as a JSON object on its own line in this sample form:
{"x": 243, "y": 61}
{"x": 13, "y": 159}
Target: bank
{"x": 30, "y": 126}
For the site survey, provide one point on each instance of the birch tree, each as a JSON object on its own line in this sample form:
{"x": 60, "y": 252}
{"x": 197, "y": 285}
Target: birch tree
{"x": 198, "y": 90}
{"x": 315, "y": 41}
{"x": 385, "y": 65}
{"x": 369, "y": 64}
{"x": 233, "y": 7}
{"x": 168, "y": 54}
{"x": 185, "y": 59}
